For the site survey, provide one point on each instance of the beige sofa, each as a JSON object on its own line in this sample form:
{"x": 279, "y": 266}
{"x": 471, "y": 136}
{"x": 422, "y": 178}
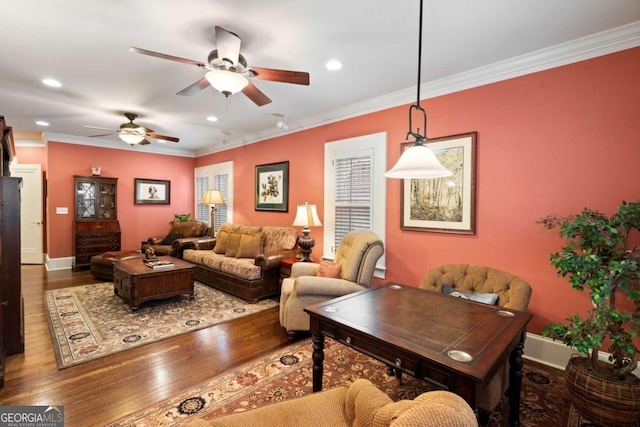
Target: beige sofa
{"x": 359, "y": 405}
{"x": 243, "y": 260}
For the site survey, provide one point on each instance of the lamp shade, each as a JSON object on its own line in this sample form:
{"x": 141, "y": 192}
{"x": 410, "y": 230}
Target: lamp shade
{"x": 418, "y": 162}
{"x": 226, "y": 82}
{"x": 306, "y": 216}
{"x": 212, "y": 197}
{"x": 132, "y": 136}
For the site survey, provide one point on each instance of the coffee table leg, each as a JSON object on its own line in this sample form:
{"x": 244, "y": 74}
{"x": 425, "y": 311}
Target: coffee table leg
{"x": 515, "y": 382}
{"x": 318, "y": 358}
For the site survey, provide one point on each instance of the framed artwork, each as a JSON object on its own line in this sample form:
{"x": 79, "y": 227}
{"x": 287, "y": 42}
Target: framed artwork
{"x": 272, "y": 187}
{"x": 151, "y": 191}
{"x": 443, "y": 205}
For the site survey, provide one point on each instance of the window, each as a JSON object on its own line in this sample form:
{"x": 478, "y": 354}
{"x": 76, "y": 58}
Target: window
{"x": 219, "y": 177}
{"x": 355, "y": 190}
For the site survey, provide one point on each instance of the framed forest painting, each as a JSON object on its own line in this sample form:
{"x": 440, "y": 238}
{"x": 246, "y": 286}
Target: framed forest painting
{"x": 443, "y": 205}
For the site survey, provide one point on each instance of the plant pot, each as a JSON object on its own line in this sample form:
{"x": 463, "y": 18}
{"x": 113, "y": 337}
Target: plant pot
{"x": 603, "y": 401}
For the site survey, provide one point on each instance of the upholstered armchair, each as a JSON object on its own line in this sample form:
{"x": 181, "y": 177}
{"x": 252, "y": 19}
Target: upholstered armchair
{"x": 351, "y": 271}
{"x": 360, "y": 404}
{"x": 468, "y": 279}
{"x": 181, "y": 236}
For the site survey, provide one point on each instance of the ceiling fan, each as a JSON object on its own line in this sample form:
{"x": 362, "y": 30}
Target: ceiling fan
{"x": 228, "y": 71}
{"x": 132, "y": 133}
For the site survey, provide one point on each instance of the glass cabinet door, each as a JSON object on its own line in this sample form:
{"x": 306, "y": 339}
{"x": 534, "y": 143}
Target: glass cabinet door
{"x": 107, "y": 201}
{"x": 85, "y": 200}
{"x": 96, "y": 198}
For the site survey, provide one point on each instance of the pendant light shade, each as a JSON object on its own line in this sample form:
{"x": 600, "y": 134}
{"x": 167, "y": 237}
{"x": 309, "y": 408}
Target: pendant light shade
{"x": 418, "y": 162}
{"x": 132, "y": 136}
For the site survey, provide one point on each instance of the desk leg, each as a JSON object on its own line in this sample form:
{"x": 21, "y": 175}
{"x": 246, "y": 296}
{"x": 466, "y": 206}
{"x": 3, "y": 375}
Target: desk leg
{"x": 318, "y": 358}
{"x": 515, "y": 382}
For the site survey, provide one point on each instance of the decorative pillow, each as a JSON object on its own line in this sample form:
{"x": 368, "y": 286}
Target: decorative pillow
{"x": 169, "y": 239}
{"x": 250, "y": 245}
{"x": 329, "y": 269}
{"x": 222, "y": 240}
{"x": 233, "y": 245}
{"x": 490, "y": 299}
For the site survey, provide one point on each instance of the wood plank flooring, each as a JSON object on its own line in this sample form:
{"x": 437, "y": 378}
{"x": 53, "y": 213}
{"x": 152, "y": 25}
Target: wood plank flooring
{"x": 101, "y": 391}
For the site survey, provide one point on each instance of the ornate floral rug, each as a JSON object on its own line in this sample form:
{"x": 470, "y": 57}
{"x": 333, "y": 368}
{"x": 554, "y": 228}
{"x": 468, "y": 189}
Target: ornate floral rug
{"x": 89, "y": 322}
{"x": 286, "y": 374}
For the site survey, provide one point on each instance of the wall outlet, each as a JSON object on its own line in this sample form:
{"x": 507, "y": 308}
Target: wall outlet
{"x": 62, "y": 211}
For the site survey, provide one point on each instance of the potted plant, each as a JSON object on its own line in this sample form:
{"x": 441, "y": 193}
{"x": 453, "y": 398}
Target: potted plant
{"x": 180, "y": 218}
{"x": 601, "y": 257}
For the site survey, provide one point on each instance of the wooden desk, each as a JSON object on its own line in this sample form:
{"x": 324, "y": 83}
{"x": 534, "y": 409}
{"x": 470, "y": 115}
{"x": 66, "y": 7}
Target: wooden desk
{"x": 418, "y": 332}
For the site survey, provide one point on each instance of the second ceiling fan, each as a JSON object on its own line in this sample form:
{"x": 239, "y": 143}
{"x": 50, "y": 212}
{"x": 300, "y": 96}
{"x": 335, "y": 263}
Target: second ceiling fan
{"x": 228, "y": 71}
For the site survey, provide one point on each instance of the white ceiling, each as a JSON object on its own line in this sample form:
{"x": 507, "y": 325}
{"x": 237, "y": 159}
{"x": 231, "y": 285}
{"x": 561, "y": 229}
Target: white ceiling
{"x": 84, "y": 44}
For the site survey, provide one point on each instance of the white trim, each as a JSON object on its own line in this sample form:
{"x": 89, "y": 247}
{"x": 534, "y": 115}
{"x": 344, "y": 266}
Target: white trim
{"x": 52, "y": 264}
{"x": 377, "y": 143}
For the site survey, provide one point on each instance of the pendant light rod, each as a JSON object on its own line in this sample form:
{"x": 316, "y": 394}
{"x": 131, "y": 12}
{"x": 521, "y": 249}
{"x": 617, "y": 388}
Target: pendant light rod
{"x": 420, "y": 138}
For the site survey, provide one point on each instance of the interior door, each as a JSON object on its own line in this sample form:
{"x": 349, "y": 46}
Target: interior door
{"x": 31, "y": 223}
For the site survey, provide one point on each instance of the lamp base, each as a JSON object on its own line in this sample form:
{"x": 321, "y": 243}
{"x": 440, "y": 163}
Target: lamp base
{"x": 306, "y": 242}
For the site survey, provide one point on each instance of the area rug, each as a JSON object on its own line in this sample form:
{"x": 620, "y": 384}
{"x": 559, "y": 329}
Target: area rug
{"x": 286, "y": 374}
{"x": 89, "y": 322}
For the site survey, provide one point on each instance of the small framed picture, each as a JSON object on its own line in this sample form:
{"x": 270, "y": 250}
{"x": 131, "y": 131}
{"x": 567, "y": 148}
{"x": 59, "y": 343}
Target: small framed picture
{"x": 151, "y": 191}
{"x": 272, "y": 187}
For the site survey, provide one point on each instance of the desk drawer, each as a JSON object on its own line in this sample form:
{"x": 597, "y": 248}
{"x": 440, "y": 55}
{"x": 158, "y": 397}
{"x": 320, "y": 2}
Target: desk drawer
{"x": 387, "y": 354}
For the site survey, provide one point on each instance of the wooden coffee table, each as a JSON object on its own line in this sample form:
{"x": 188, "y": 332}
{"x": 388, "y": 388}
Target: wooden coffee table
{"x": 422, "y": 333}
{"x": 137, "y": 283}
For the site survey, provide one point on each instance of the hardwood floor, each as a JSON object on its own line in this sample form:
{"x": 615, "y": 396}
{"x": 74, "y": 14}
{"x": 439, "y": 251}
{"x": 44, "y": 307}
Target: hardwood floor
{"x": 101, "y": 391}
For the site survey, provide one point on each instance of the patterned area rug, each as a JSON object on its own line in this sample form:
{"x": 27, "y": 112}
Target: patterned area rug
{"x": 89, "y": 322}
{"x": 286, "y": 374}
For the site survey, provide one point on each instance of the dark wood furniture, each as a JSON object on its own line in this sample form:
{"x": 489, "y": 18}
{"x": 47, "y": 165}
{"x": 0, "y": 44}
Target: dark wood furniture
{"x": 422, "y": 333}
{"x": 137, "y": 283}
{"x": 11, "y": 302}
{"x": 96, "y": 227}
{"x": 285, "y": 267}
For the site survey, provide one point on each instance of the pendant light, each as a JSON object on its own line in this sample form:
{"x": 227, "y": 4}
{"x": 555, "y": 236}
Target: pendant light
{"x": 418, "y": 161}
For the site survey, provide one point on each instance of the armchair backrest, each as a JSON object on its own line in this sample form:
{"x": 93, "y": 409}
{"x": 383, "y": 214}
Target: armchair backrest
{"x": 189, "y": 228}
{"x": 513, "y": 292}
{"x": 357, "y": 255}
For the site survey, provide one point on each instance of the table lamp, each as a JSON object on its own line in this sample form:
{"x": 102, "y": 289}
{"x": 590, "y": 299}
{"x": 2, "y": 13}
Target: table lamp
{"x": 306, "y": 216}
{"x": 213, "y": 198}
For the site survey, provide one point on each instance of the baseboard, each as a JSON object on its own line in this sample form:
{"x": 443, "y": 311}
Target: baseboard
{"x": 553, "y": 353}
{"x": 58, "y": 263}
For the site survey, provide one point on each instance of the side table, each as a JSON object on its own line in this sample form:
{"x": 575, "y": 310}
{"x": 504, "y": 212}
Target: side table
{"x": 285, "y": 267}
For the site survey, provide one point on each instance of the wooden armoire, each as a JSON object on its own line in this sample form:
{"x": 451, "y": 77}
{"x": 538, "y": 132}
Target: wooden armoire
{"x": 11, "y": 304}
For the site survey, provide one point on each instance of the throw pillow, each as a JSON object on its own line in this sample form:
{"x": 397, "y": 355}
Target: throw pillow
{"x": 250, "y": 245}
{"x": 170, "y": 238}
{"x": 490, "y": 299}
{"x": 329, "y": 269}
{"x": 233, "y": 245}
{"x": 222, "y": 240}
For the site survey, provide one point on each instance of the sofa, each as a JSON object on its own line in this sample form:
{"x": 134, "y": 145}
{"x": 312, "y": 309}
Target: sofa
{"x": 181, "y": 236}
{"x": 360, "y": 404}
{"x": 243, "y": 260}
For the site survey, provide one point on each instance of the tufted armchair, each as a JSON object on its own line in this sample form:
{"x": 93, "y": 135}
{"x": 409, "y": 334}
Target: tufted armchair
{"x": 512, "y": 292}
{"x": 355, "y": 258}
{"x": 360, "y": 404}
{"x": 181, "y": 236}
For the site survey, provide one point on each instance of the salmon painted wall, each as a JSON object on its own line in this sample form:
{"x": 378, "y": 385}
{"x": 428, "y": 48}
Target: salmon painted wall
{"x": 553, "y": 141}
{"x": 137, "y": 222}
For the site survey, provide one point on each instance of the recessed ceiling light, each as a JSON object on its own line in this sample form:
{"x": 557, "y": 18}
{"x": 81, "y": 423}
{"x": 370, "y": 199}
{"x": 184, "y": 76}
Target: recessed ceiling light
{"x": 162, "y": 141}
{"x": 212, "y": 118}
{"x": 333, "y": 65}
{"x": 52, "y": 82}
{"x": 42, "y": 123}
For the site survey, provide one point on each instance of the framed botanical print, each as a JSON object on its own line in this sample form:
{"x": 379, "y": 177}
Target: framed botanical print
{"x": 272, "y": 187}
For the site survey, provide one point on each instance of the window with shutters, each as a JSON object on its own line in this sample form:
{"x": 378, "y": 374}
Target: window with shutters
{"x": 215, "y": 177}
{"x": 355, "y": 190}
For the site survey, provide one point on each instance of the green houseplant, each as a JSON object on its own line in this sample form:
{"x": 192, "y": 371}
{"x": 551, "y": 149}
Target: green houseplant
{"x": 601, "y": 257}
{"x": 180, "y": 218}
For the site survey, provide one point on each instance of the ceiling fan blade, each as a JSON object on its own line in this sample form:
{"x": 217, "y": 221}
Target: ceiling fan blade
{"x": 163, "y": 56}
{"x": 163, "y": 137}
{"x": 98, "y": 127}
{"x": 144, "y": 142}
{"x": 256, "y": 95}
{"x": 104, "y": 134}
{"x": 203, "y": 83}
{"x": 284, "y": 76}
{"x": 228, "y": 45}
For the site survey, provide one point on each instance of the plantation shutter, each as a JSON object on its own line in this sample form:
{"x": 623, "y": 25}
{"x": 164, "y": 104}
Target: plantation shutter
{"x": 353, "y": 194}
{"x": 221, "y": 182}
{"x": 203, "y": 212}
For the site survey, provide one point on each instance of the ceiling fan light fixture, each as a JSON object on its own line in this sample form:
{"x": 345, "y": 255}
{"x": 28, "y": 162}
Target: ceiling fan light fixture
{"x": 132, "y": 136}
{"x": 227, "y": 82}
